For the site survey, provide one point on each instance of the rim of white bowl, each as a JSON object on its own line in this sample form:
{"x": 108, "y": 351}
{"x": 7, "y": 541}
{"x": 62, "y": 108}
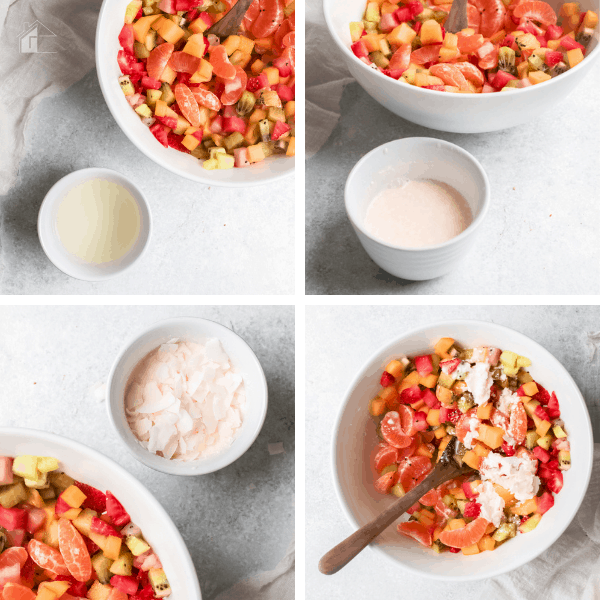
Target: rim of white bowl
{"x": 44, "y": 213}
{"x": 117, "y": 116}
{"x": 474, "y": 576}
{"x": 433, "y": 141}
{"x": 141, "y": 489}
{"x": 171, "y": 467}
{"x": 326, "y": 4}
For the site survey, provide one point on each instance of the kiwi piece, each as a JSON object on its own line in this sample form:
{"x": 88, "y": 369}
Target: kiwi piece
{"x": 167, "y": 94}
{"x": 245, "y": 104}
{"x": 466, "y": 402}
{"x": 265, "y": 130}
{"x": 140, "y": 50}
{"x": 59, "y": 481}
{"x": 13, "y": 494}
{"x": 506, "y": 60}
{"x": 235, "y": 140}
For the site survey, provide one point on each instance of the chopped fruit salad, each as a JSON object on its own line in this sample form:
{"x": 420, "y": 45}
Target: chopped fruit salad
{"x": 507, "y": 427}
{"x": 60, "y": 538}
{"x": 228, "y": 102}
{"x": 507, "y": 44}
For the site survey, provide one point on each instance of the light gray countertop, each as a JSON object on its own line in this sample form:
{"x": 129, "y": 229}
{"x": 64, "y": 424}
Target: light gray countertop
{"x": 540, "y": 232}
{"x": 206, "y": 239}
{"x": 339, "y": 341}
{"x": 236, "y": 522}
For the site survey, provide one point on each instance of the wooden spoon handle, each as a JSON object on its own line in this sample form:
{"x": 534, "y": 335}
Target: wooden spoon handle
{"x": 345, "y": 551}
{"x": 457, "y": 20}
{"x": 231, "y": 22}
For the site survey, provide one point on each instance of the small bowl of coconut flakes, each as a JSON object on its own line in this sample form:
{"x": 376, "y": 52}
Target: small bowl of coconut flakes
{"x": 188, "y": 396}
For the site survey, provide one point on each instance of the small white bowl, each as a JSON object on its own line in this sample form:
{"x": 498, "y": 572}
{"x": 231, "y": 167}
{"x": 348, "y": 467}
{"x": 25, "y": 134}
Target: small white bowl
{"x": 92, "y": 467}
{"x": 53, "y": 247}
{"x": 460, "y": 113}
{"x": 110, "y": 23}
{"x": 354, "y": 437}
{"x": 417, "y": 158}
{"x": 195, "y": 330}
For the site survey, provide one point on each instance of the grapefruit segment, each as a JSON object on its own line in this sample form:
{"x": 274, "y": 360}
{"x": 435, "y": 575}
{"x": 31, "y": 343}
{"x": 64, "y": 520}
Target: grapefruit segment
{"x": 270, "y": 17}
{"x": 74, "y": 551}
{"x": 158, "y": 59}
{"x": 538, "y": 11}
{"x": 16, "y": 591}
{"x": 465, "y": 536}
{"x": 416, "y": 531}
{"x": 413, "y": 470}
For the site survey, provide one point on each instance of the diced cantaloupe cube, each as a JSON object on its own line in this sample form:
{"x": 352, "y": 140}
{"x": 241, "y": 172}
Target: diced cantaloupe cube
{"x": 73, "y": 496}
{"x": 168, "y": 75}
{"x": 487, "y": 542}
{"x": 444, "y": 395}
{"x": 440, "y": 432}
{"x": 142, "y": 26}
{"x": 246, "y": 45}
{"x": 471, "y": 459}
{"x": 99, "y": 591}
{"x": 190, "y": 142}
{"x": 433, "y": 417}
{"x": 431, "y": 33}
{"x": 442, "y": 346}
{"x": 508, "y": 498}
{"x": 574, "y": 57}
{"x": 490, "y": 436}
{"x": 272, "y": 74}
{"x": 542, "y": 428}
{"x": 231, "y": 44}
{"x": 57, "y": 587}
{"x": 402, "y": 34}
{"x": 257, "y": 66}
{"x": 395, "y": 368}
{"x": 481, "y": 450}
{"x": 429, "y": 381}
{"x": 530, "y": 388}
{"x": 474, "y": 549}
{"x": 590, "y": 19}
{"x": 255, "y": 153}
{"x": 45, "y": 593}
{"x": 525, "y": 508}
{"x": 484, "y": 411}
{"x": 538, "y": 77}
{"x": 553, "y": 44}
{"x": 377, "y": 407}
{"x": 448, "y": 54}
{"x": 445, "y": 441}
{"x": 171, "y": 32}
{"x": 203, "y": 74}
{"x": 456, "y": 524}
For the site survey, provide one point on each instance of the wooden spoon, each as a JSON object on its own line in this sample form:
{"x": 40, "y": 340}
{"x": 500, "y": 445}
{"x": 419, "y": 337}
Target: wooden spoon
{"x": 446, "y": 468}
{"x": 230, "y": 23}
{"x": 457, "y": 20}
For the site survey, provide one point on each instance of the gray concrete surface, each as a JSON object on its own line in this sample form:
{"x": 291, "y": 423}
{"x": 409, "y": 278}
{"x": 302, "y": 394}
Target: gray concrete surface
{"x": 338, "y": 341}
{"x": 207, "y": 239}
{"x": 236, "y": 522}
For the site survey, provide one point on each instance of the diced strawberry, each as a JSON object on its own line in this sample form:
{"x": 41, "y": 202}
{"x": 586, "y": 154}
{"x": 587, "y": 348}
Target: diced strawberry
{"x": 411, "y": 395}
{"x": 468, "y": 490}
{"x": 186, "y": 5}
{"x": 174, "y": 142}
{"x": 393, "y": 73}
{"x": 198, "y": 134}
{"x": 540, "y": 413}
{"x": 545, "y": 502}
{"x": 416, "y": 8}
{"x": 472, "y": 510}
{"x": 13, "y": 518}
{"x": 126, "y": 38}
{"x": 387, "y": 379}
{"x": 94, "y": 498}
{"x": 430, "y": 399}
{"x": 554, "y": 32}
{"x": 6, "y": 474}
{"x": 150, "y": 83}
{"x": 437, "y": 88}
{"x": 508, "y": 449}
{"x": 170, "y": 122}
{"x": 529, "y": 27}
{"x": 449, "y": 366}
{"x": 91, "y": 546}
{"x": 139, "y": 14}
{"x": 403, "y": 14}
{"x": 553, "y": 408}
{"x": 541, "y": 454}
{"x": 160, "y": 133}
{"x": 127, "y": 585}
{"x": 28, "y": 573}
{"x": 542, "y": 40}
{"x": 424, "y": 365}
{"x": 147, "y": 593}
{"x": 205, "y": 16}
{"x": 262, "y": 81}
{"x": 103, "y": 528}
{"x": 285, "y": 92}
{"x": 388, "y": 22}
{"x": 61, "y": 506}
{"x": 551, "y": 58}
{"x": 454, "y": 550}
{"x": 359, "y": 48}
{"x": 508, "y": 41}
{"x": 231, "y": 124}
{"x": 417, "y": 26}
{"x": 420, "y": 422}
{"x": 555, "y": 482}
{"x": 116, "y": 511}
{"x": 78, "y": 588}
{"x": 543, "y": 396}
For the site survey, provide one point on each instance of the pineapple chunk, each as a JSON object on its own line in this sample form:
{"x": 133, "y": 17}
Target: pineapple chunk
{"x": 136, "y": 544}
{"x": 46, "y": 464}
{"x": 26, "y": 466}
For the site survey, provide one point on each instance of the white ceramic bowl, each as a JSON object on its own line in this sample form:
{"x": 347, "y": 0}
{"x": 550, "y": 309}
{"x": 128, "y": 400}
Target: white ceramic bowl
{"x": 355, "y": 437}
{"x": 195, "y": 330}
{"x": 460, "y": 113}
{"x": 69, "y": 263}
{"x": 110, "y": 23}
{"x": 417, "y": 158}
{"x": 91, "y": 467}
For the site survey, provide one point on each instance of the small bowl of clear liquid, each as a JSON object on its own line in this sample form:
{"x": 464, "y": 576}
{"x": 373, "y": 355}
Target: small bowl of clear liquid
{"x": 94, "y": 224}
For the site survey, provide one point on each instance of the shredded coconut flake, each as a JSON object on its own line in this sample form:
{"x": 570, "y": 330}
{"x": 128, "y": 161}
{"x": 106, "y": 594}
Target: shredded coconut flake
{"x": 492, "y": 504}
{"x": 185, "y": 400}
{"x": 514, "y": 473}
{"x": 479, "y": 381}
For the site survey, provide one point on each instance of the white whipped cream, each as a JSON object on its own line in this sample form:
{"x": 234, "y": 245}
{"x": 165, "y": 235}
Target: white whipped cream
{"x": 492, "y": 504}
{"x": 505, "y": 403}
{"x": 479, "y": 381}
{"x": 514, "y": 473}
{"x": 472, "y": 433}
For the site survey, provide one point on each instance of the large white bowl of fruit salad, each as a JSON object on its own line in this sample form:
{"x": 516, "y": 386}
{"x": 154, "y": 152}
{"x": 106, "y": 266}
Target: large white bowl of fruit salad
{"x": 531, "y": 455}
{"x": 445, "y": 106}
{"x": 266, "y": 154}
{"x": 70, "y": 510}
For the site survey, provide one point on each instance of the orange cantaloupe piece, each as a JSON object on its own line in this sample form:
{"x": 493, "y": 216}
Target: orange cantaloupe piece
{"x": 525, "y": 508}
{"x": 487, "y": 542}
{"x": 471, "y": 459}
{"x": 484, "y": 412}
{"x": 474, "y": 549}
{"x": 142, "y": 26}
{"x": 490, "y": 436}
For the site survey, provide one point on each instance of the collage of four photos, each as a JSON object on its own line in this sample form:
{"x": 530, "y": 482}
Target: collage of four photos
{"x": 201, "y": 373}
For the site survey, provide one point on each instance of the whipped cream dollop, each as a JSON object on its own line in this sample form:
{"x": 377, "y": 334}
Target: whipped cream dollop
{"x": 514, "y": 473}
{"x": 185, "y": 400}
{"x": 479, "y": 380}
{"x": 492, "y": 504}
{"x": 472, "y": 433}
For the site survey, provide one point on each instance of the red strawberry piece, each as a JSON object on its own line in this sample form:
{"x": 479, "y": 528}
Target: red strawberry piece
{"x": 411, "y": 395}
{"x": 553, "y": 408}
{"x": 451, "y": 365}
{"x": 540, "y": 413}
{"x": 36, "y": 517}
{"x": 541, "y": 454}
{"x": 423, "y": 364}
{"x": 472, "y": 509}
{"x": 554, "y": 32}
{"x": 454, "y": 550}
{"x": 95, "y": 499}
{"x": 416, "y": 8}
{"x": 568, "y": 43}
{"x": 508, "y": 449}
{"x": 543, "y": 396}
{"x": 421, "y": 423}
{"x": 116, "y": 511}
{"x": 175, "y": 140}
{"x": 388, "y": 22}
{"x": 387, "y": 379}
{"x": 545, "y": 502}
{"x": 13, "y": 518}
{"x": 126, "y": 38}
{"x": 91, "y": 546}
{"x": 551, "y": 58}
{"x": 170, "y": 122}
{"x": 403, "y": 14}
{"x": 103, "y": 528}
{"x": 127, "y": 585}
{"x": 468, "y": 490}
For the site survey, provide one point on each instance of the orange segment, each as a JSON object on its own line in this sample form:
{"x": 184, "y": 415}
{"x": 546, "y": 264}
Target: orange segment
{"x": 187, "y": 103}
{"x": 182, "y": 62}
{"x": 158, "y": 59}
{"x": 473, "y": 74}
{"x": 220, "y": 62}
{"x": 392, "y": 431}
{"x": 416, "y": 531}
{"x": 12, "y": 556}
{"x": 413, "y": 470}
{"x": 206, "y": 98}
{"x": 538, "y": 11}
{"x": 450, "y": 75}
{"x": 465, "y": 536}
{"x": 492, "y": 16}
{"x": 270, "y": 17}
{"x": 74, "y": 551}
{"x": 16, "y": 591}
{"x": 46, "y": 557}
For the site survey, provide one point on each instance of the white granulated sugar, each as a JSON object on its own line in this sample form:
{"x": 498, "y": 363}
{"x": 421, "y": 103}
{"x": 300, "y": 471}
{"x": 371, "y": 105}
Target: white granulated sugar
{"x": 185, "y": 400}
{"x": 276, "y": 448}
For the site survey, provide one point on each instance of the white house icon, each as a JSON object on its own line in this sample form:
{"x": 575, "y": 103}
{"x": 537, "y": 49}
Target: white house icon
{"x": 28, "y": 40}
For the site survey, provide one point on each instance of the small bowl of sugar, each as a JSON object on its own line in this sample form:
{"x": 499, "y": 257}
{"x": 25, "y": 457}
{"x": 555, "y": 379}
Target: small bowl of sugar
{"x": 94, "y": 224}
{"x": 187, "y": 396}
{"x": 416, "y": 205}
